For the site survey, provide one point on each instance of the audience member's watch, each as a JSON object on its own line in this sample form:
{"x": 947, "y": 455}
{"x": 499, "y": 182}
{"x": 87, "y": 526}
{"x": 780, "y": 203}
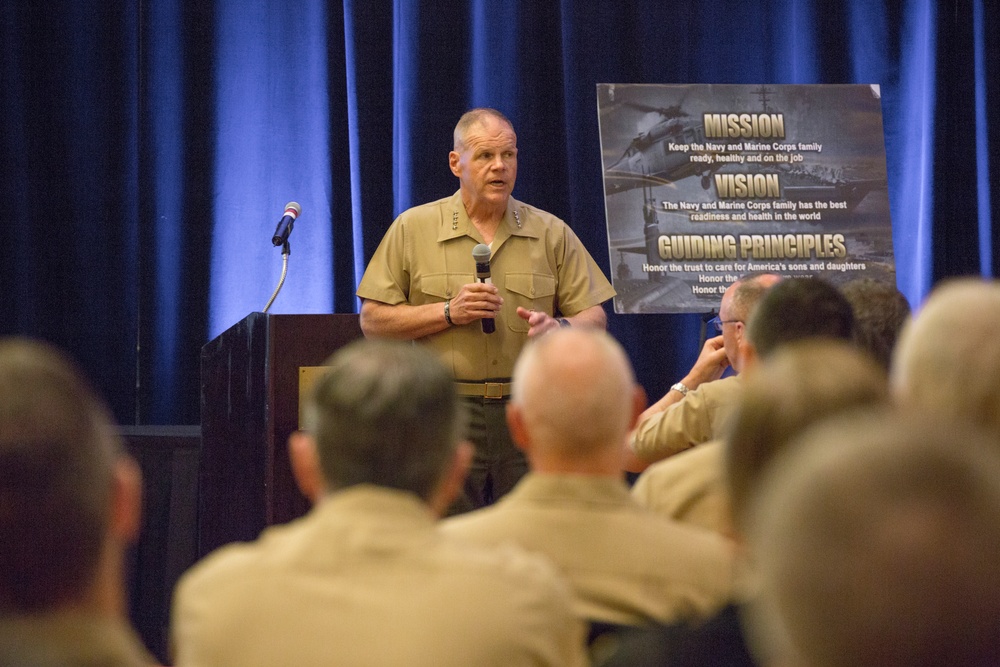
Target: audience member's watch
{"x": 681, "y": 388}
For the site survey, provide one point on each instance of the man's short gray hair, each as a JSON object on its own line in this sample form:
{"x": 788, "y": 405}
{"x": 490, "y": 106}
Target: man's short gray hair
{"x": 473, "y": 117}
{"x": 386, "y": 413}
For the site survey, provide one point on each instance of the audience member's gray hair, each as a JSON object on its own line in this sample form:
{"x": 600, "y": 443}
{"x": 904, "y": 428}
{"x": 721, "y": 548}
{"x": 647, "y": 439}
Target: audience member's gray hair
{"x": 749, "y": 290}
{"x": 385, "y": 413}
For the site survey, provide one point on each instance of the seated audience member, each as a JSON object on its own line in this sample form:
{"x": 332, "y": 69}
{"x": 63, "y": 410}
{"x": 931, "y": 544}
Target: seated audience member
{"x": 695, "y": 408}
{"x": 800, "y": 384}
{"x": 574, "y": 400}
{"x": 798, "y": 308}
{"x": 876, "y": 542}
{"x": 688, "y": 486}
{"x": 69, "y": 507}
{"x": 880, "y": 311}
{"x": 366, "y": 578}
{"x": 947, "y": 361}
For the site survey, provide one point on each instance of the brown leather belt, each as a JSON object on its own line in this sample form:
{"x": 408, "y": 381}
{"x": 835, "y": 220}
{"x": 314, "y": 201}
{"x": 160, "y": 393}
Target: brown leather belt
{"x": 495, "y": 390}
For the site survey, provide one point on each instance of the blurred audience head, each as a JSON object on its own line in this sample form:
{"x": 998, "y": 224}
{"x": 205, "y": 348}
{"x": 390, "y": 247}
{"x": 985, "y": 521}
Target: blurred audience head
{"x": 737, "y": 304}
{"x": 800, "y": 384}
{"x": 880, "y": 311}
{"x": 947, "y": 361}
{"x": 798, "y": 308}
{"x": 876, "y": 541}
{"x": 574, "y": 399}
{"x": 385, "y": 413}
{"x": 69, "y": 497}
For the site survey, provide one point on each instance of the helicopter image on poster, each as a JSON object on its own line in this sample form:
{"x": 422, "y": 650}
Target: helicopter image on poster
{"x": 705, "y": 182}
{"x": 653, "y": 158}
{"x": 648, "y": 160}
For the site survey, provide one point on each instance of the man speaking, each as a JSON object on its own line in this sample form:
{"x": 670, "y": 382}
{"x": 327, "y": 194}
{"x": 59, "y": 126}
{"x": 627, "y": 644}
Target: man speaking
{"x": 421, "y": 284}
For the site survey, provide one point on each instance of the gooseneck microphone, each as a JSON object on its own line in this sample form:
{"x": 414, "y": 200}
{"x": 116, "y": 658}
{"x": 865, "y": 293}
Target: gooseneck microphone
{"x": 481, "y": 253}
{"x": 292, "y": 211}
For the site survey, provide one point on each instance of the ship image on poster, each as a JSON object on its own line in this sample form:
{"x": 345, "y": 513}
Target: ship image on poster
{"x": 705, "y": 183}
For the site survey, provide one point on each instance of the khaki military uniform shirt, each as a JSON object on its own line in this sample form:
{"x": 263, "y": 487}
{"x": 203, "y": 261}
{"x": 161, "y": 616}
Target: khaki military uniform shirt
{"x": 688, "y": 487}
{"x": 625, "y": 564}
{"x": 69, "y": 639}
{"x": 537, "y": 262}
{"x": 366, "y": 579}
{"x": 700, "y": 416}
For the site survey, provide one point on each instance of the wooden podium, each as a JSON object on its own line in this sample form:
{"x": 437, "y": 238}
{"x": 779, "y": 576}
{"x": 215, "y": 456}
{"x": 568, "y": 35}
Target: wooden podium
{"x": 249, "y": 407}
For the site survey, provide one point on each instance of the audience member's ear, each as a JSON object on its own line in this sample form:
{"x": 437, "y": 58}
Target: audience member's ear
{"x": 305, "y": 465}
{"x": 453, "y": 479}
{"x": 639, "y": 405}
{"x": 748, "y": 355}
{"x": 516, "y": 426}
{"x": 126, "y": 500}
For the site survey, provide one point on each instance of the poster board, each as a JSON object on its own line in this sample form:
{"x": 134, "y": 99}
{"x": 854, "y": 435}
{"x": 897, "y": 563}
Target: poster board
{"x": 704, "y": 183}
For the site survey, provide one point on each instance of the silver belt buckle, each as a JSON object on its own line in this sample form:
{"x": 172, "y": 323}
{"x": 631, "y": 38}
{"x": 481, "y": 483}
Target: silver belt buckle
{"x": 494, "y": 390}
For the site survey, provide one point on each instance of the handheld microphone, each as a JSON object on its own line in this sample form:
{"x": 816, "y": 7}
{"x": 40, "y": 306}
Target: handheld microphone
{"x": 481, "y": 254}
{"x": 292, "y": 211}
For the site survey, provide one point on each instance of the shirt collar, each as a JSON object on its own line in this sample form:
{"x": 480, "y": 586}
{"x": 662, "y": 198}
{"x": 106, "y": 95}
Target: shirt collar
{"x": 587, "y": 489}
{"x": 456, "y": 222}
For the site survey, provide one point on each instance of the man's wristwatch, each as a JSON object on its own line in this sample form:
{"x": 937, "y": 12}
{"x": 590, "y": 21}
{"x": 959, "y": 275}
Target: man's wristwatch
{"x": 681, "y": 388}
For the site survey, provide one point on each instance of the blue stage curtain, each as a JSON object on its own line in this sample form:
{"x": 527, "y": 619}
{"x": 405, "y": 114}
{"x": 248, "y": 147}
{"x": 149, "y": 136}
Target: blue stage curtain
{"x": 150, "y": 147}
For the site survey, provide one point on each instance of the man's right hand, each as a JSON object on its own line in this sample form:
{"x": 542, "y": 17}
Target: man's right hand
{"x": 474, "y": 302}
{"x": 406, "y": 322}
{"x": 712, "y": 362}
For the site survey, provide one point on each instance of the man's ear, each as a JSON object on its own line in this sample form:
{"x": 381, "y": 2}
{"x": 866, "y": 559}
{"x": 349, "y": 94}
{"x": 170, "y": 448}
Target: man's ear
{"x": 453, "y": 162}
{"x": 518, "y": 429}
{"x": 452, "y": 479}
{"x": 748, "y": 355}
{"x": 126, "y": 500}
{"x": 639, "y": 404}
{"x": 305, "y": 465}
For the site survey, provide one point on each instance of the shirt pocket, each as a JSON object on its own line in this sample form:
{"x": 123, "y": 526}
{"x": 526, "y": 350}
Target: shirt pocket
{"x": 437, "y": 287}
{"x": 534, "y": 291}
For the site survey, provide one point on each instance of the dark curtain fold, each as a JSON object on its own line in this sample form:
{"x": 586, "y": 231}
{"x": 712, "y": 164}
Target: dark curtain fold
{"x": 149, "y": 146}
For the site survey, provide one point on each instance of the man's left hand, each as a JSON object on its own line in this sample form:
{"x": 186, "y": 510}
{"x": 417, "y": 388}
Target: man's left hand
{"x": 539, "y": 321}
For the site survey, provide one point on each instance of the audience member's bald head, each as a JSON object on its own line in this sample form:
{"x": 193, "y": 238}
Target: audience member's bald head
{"x": 800, "y": 384}
{"x": 947, "y": 360}
{"x": 574, "y": 395}
{"x": 876, "y": 542}
{"x": 60, "y": 484}
{"x": 738, "y": 303}
{"x": 798, "y": 308}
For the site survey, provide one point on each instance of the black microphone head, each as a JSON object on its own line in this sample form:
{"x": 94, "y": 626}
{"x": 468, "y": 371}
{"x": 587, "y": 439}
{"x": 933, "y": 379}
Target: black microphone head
{"x": 481, "y": 253}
